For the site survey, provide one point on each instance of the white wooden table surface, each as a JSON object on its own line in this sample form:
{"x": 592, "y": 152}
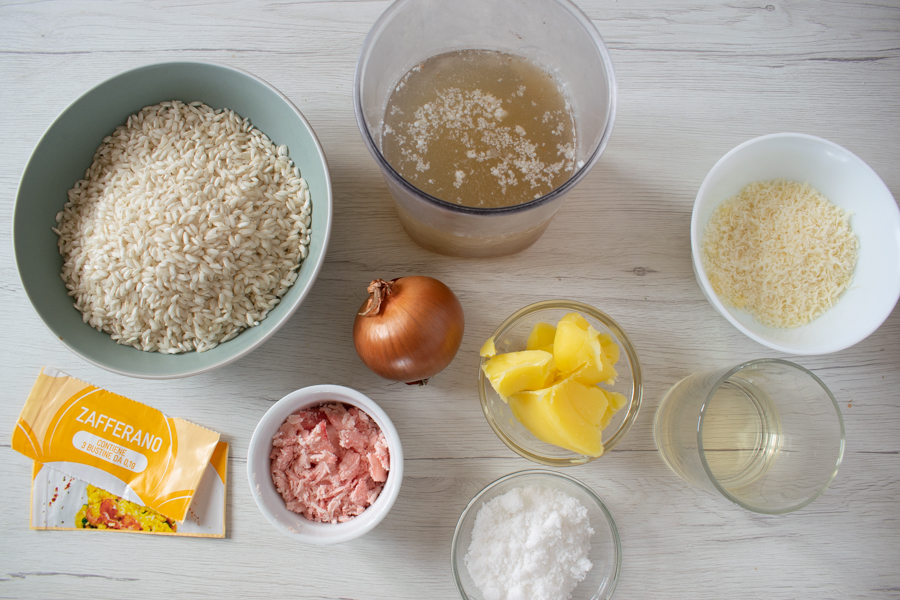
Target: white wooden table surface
{"x": 696, "y": 78}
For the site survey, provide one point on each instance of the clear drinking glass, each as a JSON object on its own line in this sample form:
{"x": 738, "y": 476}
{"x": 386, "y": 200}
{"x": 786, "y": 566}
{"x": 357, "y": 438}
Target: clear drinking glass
{"x": 555, "y": 34}
{"x": 767, "y": 434}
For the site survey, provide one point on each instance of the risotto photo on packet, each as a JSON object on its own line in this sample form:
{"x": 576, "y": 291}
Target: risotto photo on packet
{"x": 61, "y": 502}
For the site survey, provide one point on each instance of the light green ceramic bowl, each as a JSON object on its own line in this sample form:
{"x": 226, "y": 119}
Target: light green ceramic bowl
{"x": 65, "y": 152}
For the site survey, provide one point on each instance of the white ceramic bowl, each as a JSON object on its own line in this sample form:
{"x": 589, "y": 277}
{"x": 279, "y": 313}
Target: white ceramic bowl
{"x": 270, "y": 501}
{"x": 849, "y": 183}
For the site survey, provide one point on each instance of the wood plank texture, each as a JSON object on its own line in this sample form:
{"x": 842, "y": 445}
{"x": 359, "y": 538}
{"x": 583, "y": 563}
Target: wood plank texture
{"x": 695, "y": 78}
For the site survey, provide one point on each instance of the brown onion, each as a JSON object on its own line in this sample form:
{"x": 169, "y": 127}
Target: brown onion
{"x": 409, "y": 329}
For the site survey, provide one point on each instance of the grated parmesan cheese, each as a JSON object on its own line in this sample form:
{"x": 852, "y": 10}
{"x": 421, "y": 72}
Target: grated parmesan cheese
{"x": 779, "y": 250}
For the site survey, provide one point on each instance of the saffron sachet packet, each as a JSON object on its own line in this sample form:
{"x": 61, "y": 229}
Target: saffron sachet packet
{"x": 61, "y": 502}
{"x": 113, "y": 443}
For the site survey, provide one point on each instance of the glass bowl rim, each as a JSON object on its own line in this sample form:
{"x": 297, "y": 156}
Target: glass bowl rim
{"x": 626, "y": 345}
{"x": 613, "y": 529}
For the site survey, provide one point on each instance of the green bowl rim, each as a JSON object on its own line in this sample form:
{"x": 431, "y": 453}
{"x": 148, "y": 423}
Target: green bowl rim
{"x": 316, "y": 267}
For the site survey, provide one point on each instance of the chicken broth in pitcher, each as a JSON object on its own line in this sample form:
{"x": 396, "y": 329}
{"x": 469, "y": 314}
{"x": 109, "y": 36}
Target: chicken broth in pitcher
{"x": 480, "y": 128}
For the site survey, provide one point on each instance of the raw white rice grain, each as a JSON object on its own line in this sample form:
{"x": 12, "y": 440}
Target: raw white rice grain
{"x": 188, "y": 227}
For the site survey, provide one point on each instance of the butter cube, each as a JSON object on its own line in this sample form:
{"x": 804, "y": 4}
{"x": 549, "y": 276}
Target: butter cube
{"x": 514, "y": 372}
{"x": 574, "y": 317}
{"x": 596, "y": 365}
{"x": 567, "y": 346}
{"x": 616, "y": 400}
{"x": 551, "y": 416}
{"x": 588, "y": 400}
{"x": 541, "y": 337}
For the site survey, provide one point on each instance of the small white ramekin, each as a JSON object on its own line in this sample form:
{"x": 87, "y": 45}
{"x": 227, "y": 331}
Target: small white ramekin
{"x": 270, "y": 501}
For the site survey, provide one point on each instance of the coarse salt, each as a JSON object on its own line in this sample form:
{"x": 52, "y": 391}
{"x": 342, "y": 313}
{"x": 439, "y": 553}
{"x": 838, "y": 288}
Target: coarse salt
{"x": 530, "y": 543}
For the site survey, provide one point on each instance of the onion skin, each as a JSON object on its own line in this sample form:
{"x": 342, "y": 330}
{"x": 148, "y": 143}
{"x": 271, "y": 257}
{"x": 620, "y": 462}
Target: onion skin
{"x": 410, "y": 329}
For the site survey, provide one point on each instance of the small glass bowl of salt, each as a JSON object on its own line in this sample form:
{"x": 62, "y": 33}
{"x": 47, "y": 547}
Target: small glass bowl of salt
{"x": 539, "y": 535}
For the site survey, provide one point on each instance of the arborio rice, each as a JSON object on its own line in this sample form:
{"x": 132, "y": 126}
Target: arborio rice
{"x": 188, "y": 227}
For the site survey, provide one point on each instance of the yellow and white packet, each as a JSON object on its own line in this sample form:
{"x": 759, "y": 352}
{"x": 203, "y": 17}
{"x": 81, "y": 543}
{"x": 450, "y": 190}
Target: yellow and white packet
{"x": 116, "y": 444}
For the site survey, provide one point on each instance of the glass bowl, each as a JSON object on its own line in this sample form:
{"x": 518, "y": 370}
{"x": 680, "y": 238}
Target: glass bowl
{"x": 512, "y": 335}
{"x": 606, "y": 547}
